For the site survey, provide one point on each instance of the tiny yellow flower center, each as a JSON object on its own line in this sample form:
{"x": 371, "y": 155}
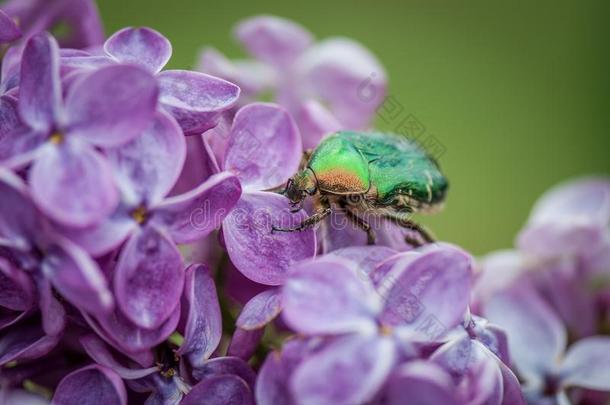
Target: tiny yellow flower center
{"x": 56, "y": 138}
{"x": 139, "y": 214}
{"x": 167, "y": 373}
{"x": 385, "y": 330}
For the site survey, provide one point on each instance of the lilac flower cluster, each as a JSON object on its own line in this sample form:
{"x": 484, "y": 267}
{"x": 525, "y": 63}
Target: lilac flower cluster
{"x": 138, "y": 263}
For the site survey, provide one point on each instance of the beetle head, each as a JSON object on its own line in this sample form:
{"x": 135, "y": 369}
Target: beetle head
{"x": 299, "y": 187}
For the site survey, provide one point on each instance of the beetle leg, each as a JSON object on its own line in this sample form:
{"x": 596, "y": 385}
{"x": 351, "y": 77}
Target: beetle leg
{"x": 308, "y": 222}
{"x": 408, "y": 224}
{"x": 362, "y": 224}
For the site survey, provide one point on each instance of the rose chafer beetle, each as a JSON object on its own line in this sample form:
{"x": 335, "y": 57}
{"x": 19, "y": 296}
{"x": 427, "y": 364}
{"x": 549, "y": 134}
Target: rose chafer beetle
{"x": 368, "y": 173}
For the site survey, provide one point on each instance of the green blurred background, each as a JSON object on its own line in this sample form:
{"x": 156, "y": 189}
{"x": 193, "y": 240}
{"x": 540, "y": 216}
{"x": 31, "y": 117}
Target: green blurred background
{"x": 516, "y": 92}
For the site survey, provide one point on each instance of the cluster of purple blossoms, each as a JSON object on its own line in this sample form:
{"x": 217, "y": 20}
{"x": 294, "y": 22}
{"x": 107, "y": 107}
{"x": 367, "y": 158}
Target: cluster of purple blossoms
{"x": 138, "y": 261}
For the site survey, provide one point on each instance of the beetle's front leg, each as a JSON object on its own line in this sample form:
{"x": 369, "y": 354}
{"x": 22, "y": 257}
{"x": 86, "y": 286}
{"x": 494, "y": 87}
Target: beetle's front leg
{"x": 307, "y": 223}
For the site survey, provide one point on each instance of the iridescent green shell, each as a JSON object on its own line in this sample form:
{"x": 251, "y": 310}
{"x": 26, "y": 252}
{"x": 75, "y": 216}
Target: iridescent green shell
{"x": 397, "y": 169}
{"x": 339, "y": 167}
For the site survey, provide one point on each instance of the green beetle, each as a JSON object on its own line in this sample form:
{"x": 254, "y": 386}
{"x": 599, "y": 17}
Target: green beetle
{"x": 363, "y": 173}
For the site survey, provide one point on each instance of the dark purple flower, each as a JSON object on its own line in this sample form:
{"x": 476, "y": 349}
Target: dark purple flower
{"x": 91, "y": 385}
{"x": 187, "y": 374}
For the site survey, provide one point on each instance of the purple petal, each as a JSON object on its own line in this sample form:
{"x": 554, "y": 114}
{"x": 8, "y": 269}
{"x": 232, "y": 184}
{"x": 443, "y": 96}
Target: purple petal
{"x": 260, "y": 310}
{"x": 245, "y": 342}
{"x": 329, "y": 295}
{"x": 19, "y": 219}
{"x": 112, "y": 105}
{"x": 80, "y": 18}
{"x": 25, "y": 342}
{"x": 347, "y": 77}
{"x": 39, "y": 88}
{"x": 386, "y": 266}
{"x": 483, "y": 381}
{"x": 91, "y": 385}
{"x": 219, "y": 390}
{"x": 315, "y": 121}
{"x": 149, "y": 278}
{"x": 19, "y": 144}
{"x": 216, "y": 139}
{"x": 200, "y": 164}
{"x": 149, "y": 166}
{"x": 72, "y": 183}
{"x": 8, "y": 29}
{"x": 103, "y": 238}
{"x": 224, "y": 366}
{"x": 564, "y": 222}
{"x": 142, "y": 46}
{"x": 77, "y": 277}
{"x": 192, "y": 216}
{"x": 251, "y": 76}
{"x": 365, "y": 257}
{"x": 493, "y": 338}
{"x": 272, "y": 385}
{"x": 536, "y": 337}
{"x": 195, "y": 99}
{"x": 264, "y": 148}
{"x": 16, "y": 288}
{"x": 587, "y": 364}
{"x": 349, "y": 371}
{"x": 427, "y": 382}
{"x": 125, "y": 336}
{"x": 475, "y": 370}
{"x": 274, "y": 40}
{"x": 513, "y": 394}
{"x": 257, "y": 252}
{"x": 558, "y": 283}
{"x": 203, "y": 328}
{"x": 500, "y": 269}
{"x": 100, "y": 353}
{"x": 52, "y": 311}
{"x": 81, "y": 63}
{"x": 10, "y": 69}
{"x": 431, "y": 292}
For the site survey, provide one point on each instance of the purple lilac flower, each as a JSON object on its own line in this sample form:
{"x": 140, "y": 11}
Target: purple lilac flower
{"x": 537, "y": 341}
{"x": 337, "y": 72}
{"x": 187, "y": 374}
{"x": 196, "y": 100}
{"x": 148, "y": 276}
{"x": 34, "y": 260}
{"x": 70, "y": 180}
{"x": 78, "y": 21}
{"x": 563, "y": 251}
{"x": 263, "y": 150}
{"x": 371, "y": 329}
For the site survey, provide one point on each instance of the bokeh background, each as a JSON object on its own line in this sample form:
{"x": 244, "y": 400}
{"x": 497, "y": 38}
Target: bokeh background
{"x": 516, "y": 92}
